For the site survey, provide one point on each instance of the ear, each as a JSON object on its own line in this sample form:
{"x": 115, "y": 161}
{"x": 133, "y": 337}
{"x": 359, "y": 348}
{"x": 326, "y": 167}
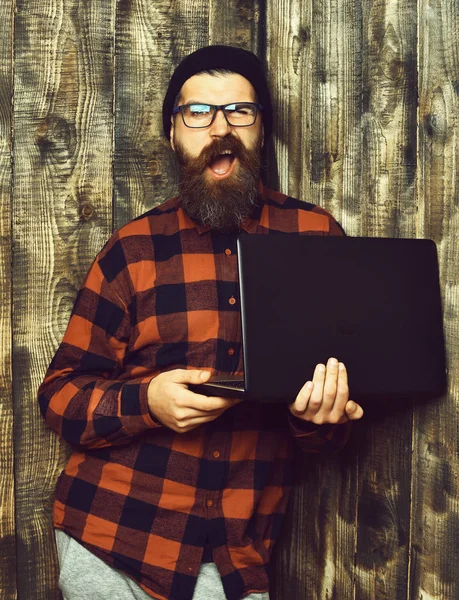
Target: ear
{"x": 171, "y": 134}
{"x": 261, "y": 138}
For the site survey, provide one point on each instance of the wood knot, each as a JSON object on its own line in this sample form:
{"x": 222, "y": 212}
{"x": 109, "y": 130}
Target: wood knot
{"x": 86, "y": 211}
{"x": 56, "y": 135}
{"x": 245, "y": 10}
{"x": 299, "y": 42}
{"x": 154, "y": 168}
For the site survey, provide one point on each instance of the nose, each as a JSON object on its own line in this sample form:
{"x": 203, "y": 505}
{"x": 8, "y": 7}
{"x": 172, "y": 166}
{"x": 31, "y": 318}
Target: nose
{"x": 220, "y": 127}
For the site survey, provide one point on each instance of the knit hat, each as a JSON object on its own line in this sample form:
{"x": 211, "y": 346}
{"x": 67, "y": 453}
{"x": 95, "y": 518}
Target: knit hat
{"x": 220, "y": 57}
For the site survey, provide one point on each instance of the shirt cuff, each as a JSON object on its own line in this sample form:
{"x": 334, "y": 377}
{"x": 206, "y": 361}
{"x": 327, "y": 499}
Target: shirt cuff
{"x": 300, "y": 427}
{"x": 134, "y": 424}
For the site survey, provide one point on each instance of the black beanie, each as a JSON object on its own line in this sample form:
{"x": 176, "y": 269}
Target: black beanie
{"x": 220, "y": 57}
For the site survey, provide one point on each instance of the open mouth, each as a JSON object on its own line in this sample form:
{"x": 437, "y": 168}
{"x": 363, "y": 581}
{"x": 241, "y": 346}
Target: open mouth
{"x": 223, "y": 164}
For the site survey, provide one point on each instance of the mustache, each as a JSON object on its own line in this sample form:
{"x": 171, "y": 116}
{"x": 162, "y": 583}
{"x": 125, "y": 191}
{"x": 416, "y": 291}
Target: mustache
{"x": 210, "y": 152}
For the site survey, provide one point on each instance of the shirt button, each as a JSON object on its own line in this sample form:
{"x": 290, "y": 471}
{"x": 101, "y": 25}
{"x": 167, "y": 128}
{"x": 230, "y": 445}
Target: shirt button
{"x": 216, "y": 454}
{"x": 231, "y": 351}
{"x": 232, "y": 300}
{"x": 209, "y": 503}
{"x": 228, "y": 252}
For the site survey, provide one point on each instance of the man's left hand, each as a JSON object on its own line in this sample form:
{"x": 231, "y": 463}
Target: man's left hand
{"x": 325, "y": 399}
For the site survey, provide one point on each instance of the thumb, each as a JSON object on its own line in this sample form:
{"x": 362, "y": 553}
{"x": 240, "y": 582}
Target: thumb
{"x": 191, "y": 376}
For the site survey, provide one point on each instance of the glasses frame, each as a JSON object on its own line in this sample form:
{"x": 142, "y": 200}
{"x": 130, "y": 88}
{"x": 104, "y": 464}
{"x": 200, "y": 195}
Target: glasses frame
{"x": 179, "y": 109}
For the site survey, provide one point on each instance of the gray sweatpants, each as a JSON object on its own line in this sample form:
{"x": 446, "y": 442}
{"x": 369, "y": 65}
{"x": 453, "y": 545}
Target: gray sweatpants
{"x": 84, "y": 576}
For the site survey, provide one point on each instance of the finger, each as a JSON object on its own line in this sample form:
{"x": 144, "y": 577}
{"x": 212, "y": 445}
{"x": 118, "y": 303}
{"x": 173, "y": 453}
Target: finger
{"x": 185, "y": 376}
{"x": 353, "y": 410}
{"x": 301, "y": 401}
{"x": 330, "y": 386}
{"x": 185, "y": 414}
{"x": 342, "y": 394}
{"x": 207, "y": 404}
{"x": 318, "y": 379}
{"x": 192, "y": 421}
{"x": 223, "y": 403}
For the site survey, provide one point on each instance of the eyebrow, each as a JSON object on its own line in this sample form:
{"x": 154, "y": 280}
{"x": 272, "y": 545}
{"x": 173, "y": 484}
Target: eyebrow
{"x": 199, "y": 102}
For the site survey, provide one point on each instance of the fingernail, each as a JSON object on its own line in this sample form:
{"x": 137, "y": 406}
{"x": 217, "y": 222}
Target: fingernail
{"x": 203, "y": 375}
{"x": 341, "y": 366}
{"x": 333, "y": 362}
{"x": 310, "y": 384}
{"x": 321, "y": 367}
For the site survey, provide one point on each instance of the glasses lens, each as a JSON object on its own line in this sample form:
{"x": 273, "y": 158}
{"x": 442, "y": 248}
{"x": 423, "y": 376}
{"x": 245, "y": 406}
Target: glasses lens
{"x": 197, "y": 115}
{"x": 241, "y": 113}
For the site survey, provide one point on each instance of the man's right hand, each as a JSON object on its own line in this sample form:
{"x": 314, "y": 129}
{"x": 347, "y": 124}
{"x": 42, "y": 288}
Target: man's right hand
{"x": 175, "y": 406}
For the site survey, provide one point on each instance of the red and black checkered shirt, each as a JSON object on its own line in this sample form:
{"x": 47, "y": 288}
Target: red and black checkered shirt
{"x": 143, "y": 498}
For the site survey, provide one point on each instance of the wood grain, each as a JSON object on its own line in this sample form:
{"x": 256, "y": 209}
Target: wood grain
{"x": 7, "y": 510}
{"x": 151, "y": 38}
{"x": 434, "y": 566}
{"x": 61, "y": 217}
{"x": 288, "y": 61}
{"x": 384, "y": 506}
{"x": 237, "y": 23}
{"x": 388, "y": 201}
{"x": 313, "y": 558}
{"x": 143, "y": 163}
{"x": 336, "y": 109}
{"x": 388, "y": 210}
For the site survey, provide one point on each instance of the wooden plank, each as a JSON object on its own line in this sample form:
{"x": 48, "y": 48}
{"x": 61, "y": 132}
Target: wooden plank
{"x": 288, "y": 59}
{"x": 314, "y": 557}
{"x": 388, "y": 209}
{"x": 336, "y": 109}
{"x": 314, "y": 57}
{"x": 384, "y": 507}
{"x": 389, "y": 124}
{"x": 62, "y": 216}
{"x": 7, "y": 512}
{"x": 435, "y": 566}
{"x": 314, "y": 60}
{"x": 238, "y": 24}
{"x": 151, "y": 39}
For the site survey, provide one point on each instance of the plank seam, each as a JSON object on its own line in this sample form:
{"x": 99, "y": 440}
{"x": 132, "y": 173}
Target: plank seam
{"x": 12, "y": 182}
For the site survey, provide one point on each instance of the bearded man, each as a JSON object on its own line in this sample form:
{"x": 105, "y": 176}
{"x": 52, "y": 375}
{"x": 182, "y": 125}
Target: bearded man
{"x": 170, "y": 494}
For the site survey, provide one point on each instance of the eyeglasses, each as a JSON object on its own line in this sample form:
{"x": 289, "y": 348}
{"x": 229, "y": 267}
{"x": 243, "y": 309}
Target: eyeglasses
{"x": 237, "y": 114}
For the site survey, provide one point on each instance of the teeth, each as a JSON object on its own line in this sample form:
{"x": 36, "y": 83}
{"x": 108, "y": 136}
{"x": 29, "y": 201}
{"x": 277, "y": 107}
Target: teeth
{"x": 227, "y": 152}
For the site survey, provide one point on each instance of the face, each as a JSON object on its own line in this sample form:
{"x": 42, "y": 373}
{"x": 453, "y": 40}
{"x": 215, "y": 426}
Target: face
{"x": 215, "y": 89}
{"x": 219, "y": 164}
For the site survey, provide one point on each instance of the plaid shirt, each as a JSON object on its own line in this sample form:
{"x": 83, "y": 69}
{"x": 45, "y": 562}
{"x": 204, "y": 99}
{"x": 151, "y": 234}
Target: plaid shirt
{"x": 163, "y": 294}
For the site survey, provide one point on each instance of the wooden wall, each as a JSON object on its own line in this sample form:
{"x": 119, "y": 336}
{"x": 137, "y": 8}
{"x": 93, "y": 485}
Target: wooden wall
{"x": 367, "y": 125}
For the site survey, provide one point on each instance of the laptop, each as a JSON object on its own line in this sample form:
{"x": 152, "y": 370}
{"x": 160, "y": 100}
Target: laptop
{"x": 372, "y": 303}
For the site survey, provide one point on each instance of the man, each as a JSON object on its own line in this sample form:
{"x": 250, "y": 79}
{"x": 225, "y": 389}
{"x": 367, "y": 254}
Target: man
{"x": 170, "y": 494}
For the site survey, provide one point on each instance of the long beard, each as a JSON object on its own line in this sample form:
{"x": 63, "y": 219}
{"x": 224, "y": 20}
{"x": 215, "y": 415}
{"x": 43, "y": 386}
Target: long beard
{"x": 221, "y": 204}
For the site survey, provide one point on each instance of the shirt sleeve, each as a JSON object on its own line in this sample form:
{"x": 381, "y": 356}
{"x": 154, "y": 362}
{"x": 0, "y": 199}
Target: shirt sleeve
{"x": 319, "y": 438}
{"x": 86, "y": 396}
